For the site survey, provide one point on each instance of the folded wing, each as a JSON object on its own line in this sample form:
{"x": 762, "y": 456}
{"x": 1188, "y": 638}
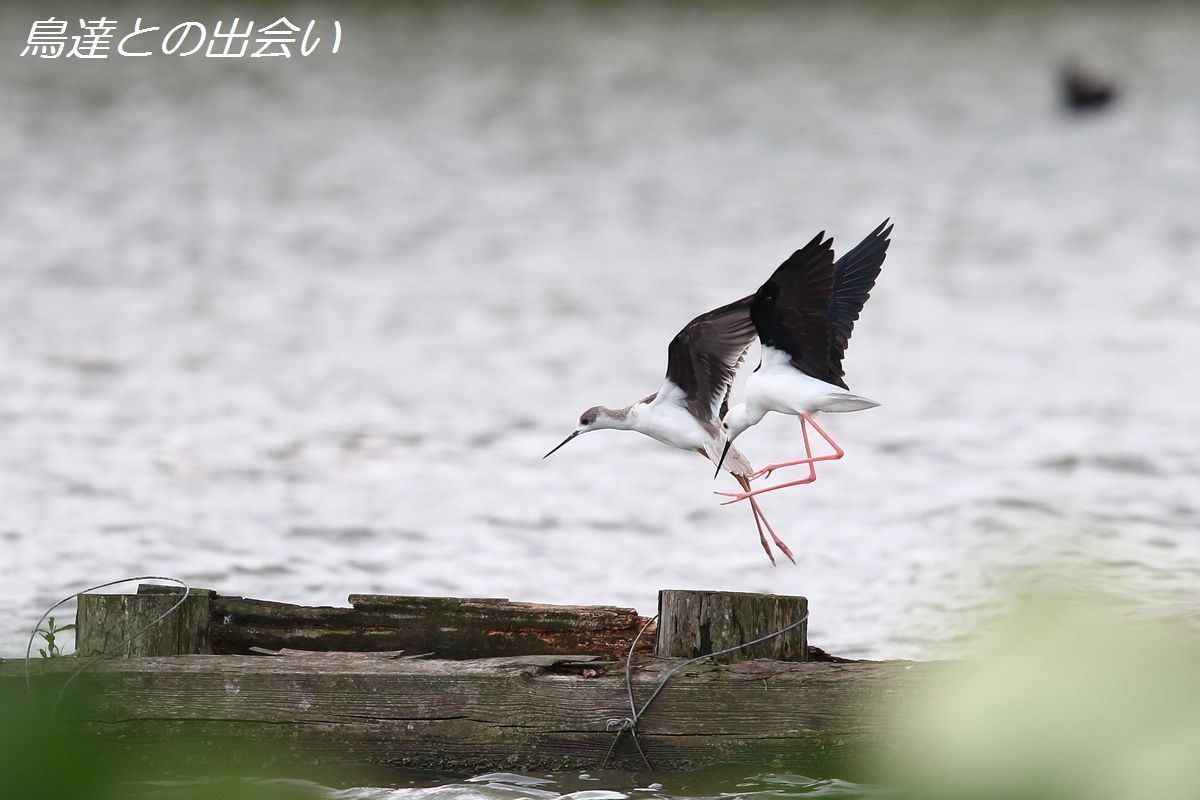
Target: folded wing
{"x": 703, "y": 358}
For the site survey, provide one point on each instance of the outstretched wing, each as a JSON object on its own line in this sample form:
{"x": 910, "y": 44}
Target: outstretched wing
{"x": 791, "y": 310}
{"x": 854, "y": 276}
{"x": 703, "y": 357}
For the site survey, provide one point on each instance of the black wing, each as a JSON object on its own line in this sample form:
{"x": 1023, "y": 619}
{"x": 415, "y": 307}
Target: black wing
{"x": 791, "y": 310}
{"x": 703, "y": 357}
{"x": 854, "y": 276}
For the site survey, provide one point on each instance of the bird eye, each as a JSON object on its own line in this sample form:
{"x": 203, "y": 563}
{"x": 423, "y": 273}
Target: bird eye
{"x": 583, "y": 421}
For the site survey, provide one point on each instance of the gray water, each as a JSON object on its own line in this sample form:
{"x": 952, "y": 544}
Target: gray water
{"x": 303, "y": 328}
{"x": 602, "y": 785}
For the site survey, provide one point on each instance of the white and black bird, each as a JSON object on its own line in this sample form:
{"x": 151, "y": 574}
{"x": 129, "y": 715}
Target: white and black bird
{"x": 686, "y": 411}
{"x": 804, "y": 315}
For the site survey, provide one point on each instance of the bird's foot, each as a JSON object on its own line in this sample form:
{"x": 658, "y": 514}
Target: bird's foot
{"x": 783, "y": 548}
{"x": 766, "y": 471}
{"x": 737, "y": 497}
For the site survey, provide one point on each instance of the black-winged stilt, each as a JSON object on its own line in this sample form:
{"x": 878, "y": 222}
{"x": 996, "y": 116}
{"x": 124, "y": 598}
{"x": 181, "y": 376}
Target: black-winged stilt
{"x": 686, "y": 411}
{"x": 804, "y": 315}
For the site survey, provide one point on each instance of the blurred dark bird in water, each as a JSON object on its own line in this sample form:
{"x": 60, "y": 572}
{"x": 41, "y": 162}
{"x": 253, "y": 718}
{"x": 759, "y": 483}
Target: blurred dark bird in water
{"x": 1083, "y": 90}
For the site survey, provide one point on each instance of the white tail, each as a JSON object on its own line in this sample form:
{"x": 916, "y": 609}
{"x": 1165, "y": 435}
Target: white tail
{"x": 734, "y": 462}
{"x": 836, "y": 402}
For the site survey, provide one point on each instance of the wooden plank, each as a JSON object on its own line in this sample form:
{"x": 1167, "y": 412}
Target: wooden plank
{"x": 524, "y": 713}
{"x": 449, "y": 627}
{"x": 695, "y": 623}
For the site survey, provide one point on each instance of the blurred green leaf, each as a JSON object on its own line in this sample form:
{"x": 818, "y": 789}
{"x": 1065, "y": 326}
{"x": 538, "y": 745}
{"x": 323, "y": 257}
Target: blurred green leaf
{"x": 1072, "y": 702}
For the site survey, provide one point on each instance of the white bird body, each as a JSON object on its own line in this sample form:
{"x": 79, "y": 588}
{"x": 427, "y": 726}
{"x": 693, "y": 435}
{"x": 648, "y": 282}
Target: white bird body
{"x": 778, "y": 386}
{"x": 665, "y": 418}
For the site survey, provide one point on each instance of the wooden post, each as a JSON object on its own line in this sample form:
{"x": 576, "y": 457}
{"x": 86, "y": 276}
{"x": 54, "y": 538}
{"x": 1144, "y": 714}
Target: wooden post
{"x": 694, "y": 623}
{"x": 104, "y": 621}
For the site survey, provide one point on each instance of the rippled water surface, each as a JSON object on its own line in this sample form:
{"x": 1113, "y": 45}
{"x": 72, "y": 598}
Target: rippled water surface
{"x": 560, "y": 786}
{"x": 299, "y": 329}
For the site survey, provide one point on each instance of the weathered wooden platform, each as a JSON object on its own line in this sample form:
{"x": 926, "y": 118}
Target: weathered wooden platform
{"x": 471, "y": 685}
{"x": 519, "y": 713}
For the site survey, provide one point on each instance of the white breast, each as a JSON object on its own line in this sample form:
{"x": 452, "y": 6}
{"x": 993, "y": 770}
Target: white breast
{"x": 668, "y": 420}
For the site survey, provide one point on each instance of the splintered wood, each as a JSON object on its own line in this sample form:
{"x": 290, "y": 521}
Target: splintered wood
{"x": 446, "y": 627}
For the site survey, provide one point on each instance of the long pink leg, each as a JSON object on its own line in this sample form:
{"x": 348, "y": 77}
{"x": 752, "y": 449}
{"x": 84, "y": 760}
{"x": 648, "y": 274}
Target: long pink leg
{"x": 783, "y": 548}
{"x": 812, "y": 470}
{"x": 760, "y": 519}
{"x": 837, "y": 453}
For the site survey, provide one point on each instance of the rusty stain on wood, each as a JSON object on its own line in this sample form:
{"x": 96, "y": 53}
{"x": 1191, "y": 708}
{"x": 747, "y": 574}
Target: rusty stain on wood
{"x": 455, "y": 628}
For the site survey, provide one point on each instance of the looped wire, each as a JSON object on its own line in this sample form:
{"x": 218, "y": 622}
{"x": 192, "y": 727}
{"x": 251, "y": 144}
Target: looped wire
{"x": 187, "y": 590}
{"x": 630, "y": 723}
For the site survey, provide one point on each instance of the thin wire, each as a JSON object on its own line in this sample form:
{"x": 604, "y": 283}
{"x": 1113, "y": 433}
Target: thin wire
{"x": 630, "y": 723}
{"x": 187, "y": 590}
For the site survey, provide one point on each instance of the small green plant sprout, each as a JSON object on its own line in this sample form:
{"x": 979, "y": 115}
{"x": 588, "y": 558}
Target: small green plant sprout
{"x": 48, "y": 633}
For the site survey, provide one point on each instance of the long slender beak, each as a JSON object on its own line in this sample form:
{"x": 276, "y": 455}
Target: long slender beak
{"x": 724, "y": 453}
{"x": 564, "y": 441}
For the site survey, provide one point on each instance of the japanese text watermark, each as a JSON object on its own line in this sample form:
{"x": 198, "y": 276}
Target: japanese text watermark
{"x": 102, "y": 37}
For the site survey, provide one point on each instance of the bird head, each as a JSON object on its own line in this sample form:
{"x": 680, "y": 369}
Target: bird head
{"x": 736, "y": 421}
{"x": 596, "y": 418}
